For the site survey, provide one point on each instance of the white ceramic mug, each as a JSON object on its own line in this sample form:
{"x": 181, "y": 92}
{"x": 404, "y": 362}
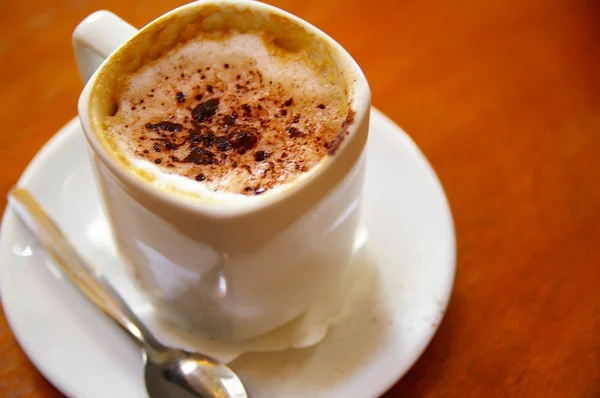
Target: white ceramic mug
{"x": 231, "y": 270}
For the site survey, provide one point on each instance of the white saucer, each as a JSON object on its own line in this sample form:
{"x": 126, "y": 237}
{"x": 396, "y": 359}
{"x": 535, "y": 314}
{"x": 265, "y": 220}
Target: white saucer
{"x": 412, "y": 262}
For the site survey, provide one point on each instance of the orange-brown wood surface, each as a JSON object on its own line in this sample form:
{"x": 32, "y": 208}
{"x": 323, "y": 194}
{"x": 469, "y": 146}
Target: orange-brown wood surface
{"x": 503, "y": 97}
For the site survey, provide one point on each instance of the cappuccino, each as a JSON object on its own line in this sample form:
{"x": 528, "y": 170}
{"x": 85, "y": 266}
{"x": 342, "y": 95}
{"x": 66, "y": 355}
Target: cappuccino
{"x": 234, "y": 112}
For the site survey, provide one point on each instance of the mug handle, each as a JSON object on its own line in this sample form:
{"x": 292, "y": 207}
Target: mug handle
{"x": 96, "y": 38}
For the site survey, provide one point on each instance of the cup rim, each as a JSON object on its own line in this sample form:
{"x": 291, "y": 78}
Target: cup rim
{"x": 360, "y": 99}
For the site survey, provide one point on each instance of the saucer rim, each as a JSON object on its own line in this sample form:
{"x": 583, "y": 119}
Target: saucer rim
{"x": 9, "y": 218}
{"x": 56, "y": 143}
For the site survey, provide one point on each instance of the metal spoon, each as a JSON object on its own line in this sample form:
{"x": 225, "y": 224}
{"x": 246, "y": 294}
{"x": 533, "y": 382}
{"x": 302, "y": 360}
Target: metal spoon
{"x": 169, "y": 372}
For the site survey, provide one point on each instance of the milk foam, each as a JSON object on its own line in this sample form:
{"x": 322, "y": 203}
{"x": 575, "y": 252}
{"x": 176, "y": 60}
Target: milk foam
{"x": 228, "y": 113}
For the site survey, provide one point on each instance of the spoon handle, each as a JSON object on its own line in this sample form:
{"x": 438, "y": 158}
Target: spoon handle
{"x": 77, "y": 269}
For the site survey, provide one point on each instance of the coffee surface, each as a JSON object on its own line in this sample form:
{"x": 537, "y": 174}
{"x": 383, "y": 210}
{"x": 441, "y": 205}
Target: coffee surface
{"x": 233, "y": 111}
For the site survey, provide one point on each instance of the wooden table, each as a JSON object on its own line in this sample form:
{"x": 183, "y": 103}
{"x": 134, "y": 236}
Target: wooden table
{"x": 504, "y": 99}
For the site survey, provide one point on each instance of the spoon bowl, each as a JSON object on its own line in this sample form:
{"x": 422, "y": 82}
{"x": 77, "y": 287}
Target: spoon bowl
{"x": 182, "y": 374}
